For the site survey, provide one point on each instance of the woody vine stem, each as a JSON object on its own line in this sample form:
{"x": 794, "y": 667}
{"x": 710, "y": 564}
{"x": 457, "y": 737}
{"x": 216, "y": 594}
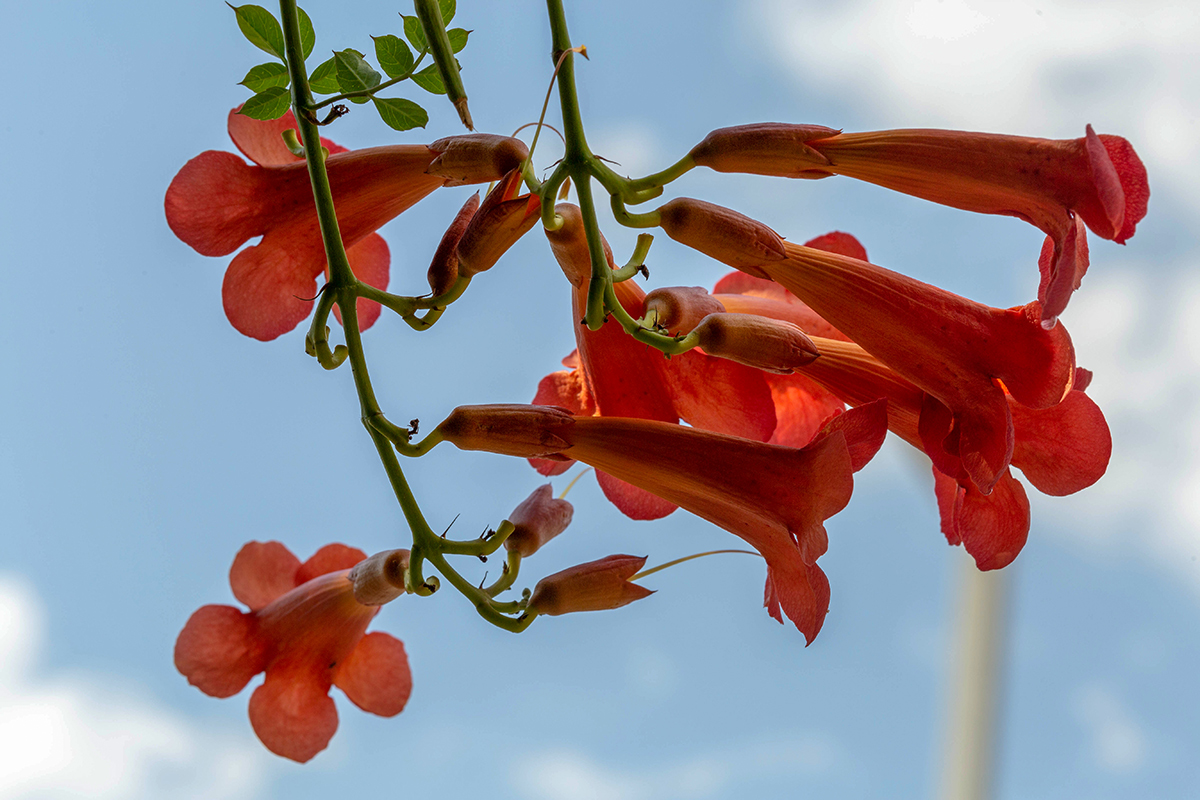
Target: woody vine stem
{"x": 343, "y": 289}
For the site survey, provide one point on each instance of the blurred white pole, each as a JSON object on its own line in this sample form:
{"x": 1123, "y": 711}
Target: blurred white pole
{"x": 976, "y": 686}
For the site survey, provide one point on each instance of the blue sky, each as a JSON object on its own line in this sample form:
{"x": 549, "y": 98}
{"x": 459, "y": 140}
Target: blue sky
{"x": 146, "y": 440}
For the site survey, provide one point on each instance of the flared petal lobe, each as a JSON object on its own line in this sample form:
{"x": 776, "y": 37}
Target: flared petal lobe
{"x": 292, "y": 712}
{"x": 218, "y": 652}
{"x": 375, "y": 675}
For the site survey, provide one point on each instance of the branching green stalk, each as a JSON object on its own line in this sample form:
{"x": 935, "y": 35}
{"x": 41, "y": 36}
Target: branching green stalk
{"x": 344, "y": 289}
{"x": 371, "y": 92}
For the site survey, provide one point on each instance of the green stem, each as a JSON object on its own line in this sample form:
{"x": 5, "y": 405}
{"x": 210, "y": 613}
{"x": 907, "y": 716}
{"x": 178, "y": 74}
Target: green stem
{"x": 661, "y": 567}
{"x": 371, "y": 92}
{"x": 636, "y": 189}
{"x": 344, "y": 289}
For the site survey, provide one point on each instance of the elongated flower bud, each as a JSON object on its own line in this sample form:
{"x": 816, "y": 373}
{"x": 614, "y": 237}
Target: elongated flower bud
{"x": 443, "y": 270}
{"x": 768, "y": 148}
{"x": 680, "y": 308}
{"x": 767, "y": 344}
{"x": 511, "y": 430}
{"x": 722, "y": 233}
{"x": 595, "y": 586}
{"x": 476, "y": 158}
{"x": 380, "y": 579}
{"x": 538, "y": 519}
{"x": 501, "y": 220}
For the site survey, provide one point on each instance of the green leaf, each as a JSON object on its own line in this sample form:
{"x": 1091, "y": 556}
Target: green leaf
{"x": 323, "y": 79}
{"x": 401, "y": 114}
{"x": 308, "y": 36}
{"x": 458, "y": 39}
{"x": 394, "y": 56}
{"x": 270, "y": 103}
{"x": 354, "y": 74}
{"x": 265, "y": 76}
{"x": 261, "y": 28}
{"x": 430, "y": 80}
{"x": 414, "y": 32}
{"x": 447, "y": 9}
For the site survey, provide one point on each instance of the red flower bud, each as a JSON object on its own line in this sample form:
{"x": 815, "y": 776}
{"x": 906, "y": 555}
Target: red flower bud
{"x": 476, "y": 158}
{"x": 679, "y": 309}
{"x": 537, "y": 520}
{"x": 768, "y": 148}
{"x": 501, "y": 220}
{"x": 767, "y": 344}
{"x": 595, "y": 586}
{"x": 511, "y": 430}
{"x": 722, "y": 233}
{"x": 443, "y": 270}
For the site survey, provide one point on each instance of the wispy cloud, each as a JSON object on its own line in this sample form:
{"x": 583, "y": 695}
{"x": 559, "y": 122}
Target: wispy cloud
{"x": 564, "y": 774}
{"x": 1142, "y": 338}
{"x": 1115, "y": 741}
{"x": 79, "y": 737}
{"x": 1037, "y": 67}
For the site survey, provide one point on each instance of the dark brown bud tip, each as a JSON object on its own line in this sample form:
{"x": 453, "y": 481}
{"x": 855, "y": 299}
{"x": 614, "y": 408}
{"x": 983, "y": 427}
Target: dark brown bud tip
{"x": 526, "y": 431}
{"x": 722, "y": 233}
{"x": 768, "y": 148}
{"x": 476, "y": 158}
{"x": 538, "y": 519}
{"x": 595, "y": 586}
{"x": 767, "y": 344}
{"x": 680, "y": 308}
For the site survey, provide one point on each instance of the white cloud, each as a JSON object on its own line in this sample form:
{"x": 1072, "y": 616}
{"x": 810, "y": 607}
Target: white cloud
{"x": 570, "y": 775}
{"x": 1116, "y": 742}
{"x": 1035, "y": 67}
{"x": 1142, "y": 339}
{"x": 78, "y": 737}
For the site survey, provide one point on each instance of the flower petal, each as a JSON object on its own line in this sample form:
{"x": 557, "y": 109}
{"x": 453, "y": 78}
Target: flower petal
{"x": 799, "y": 590}
{"x": 217, "y": 650}
{"x": 330, "y": 558}
{"x": 262, "y": 140}
{"x": 1062, "y": 449}
{"x": 1132, "y": 174}
{"x": 263, "y": 572}
{"x": 801, "y": 408}
{"x": 292, "y": 712}
{"x": 269, "y": 287}
{"x": 565, "y": 389}
{"x": 993, "y": 528}
{"x": 375, "y": 675}
{"x": 718, "y": 395}
{"x": 841, "y": 243}
{"x": 216, "y": 203}
{"x": 865, "y": 427}
{"x": 1062, "y": 263}
{"x": 632, "y": 501}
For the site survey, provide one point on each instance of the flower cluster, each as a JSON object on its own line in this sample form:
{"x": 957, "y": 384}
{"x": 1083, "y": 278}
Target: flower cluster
{"x": 782, "y": 381}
